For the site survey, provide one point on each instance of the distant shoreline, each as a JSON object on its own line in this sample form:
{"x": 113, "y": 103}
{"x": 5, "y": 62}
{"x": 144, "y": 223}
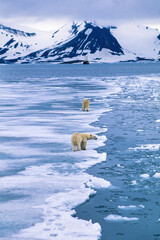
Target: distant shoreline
{"x": 12, "y": 61}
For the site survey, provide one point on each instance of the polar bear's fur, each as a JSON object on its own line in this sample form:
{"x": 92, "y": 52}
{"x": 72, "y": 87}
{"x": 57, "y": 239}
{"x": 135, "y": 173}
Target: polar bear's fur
{"x": 79, "y": 140}
{"x": 85, "y": 105}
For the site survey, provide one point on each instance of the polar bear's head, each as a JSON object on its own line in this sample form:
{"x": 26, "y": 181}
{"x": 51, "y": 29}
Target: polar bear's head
{"x": 93, "y": 137}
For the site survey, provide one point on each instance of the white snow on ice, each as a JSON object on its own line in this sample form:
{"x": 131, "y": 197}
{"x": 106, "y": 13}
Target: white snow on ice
{"x": 115, "y": 218}
{"x": 131, "y": 207}
{"x": 59, "y": 186}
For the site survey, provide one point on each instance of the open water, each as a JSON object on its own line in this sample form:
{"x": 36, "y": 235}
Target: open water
{"x": 110, "y": 191}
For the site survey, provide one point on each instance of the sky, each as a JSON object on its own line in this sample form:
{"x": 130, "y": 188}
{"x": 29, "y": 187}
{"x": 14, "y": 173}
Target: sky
{"x": 49, "y": 15}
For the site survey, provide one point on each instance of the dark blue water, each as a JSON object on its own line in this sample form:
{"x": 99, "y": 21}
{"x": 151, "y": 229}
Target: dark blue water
{"x": 133, "y": 149}
{"x": 15, "y": 72}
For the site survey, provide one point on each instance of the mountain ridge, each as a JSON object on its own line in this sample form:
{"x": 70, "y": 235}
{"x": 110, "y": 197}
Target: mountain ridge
{"x": 77, "y": 41}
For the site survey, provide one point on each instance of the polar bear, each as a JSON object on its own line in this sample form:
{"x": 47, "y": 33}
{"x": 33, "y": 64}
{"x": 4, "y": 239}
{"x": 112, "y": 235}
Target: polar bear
{"x": 85, "y": 105}
{"x": 79, "y": 140}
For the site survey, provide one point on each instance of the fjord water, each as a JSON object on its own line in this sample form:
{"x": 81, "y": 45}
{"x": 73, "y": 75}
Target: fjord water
{"x": 111, "y": 190}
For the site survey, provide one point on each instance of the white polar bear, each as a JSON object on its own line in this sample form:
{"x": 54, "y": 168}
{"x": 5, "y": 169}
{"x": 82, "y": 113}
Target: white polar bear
{"x": 85, "y": 105}
{"x": 79, "y": 140}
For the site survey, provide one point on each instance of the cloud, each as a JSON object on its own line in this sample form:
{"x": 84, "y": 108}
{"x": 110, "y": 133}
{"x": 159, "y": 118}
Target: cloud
{"x": 100, "y": 10}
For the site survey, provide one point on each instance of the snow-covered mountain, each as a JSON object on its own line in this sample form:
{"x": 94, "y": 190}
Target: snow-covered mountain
{"x": 17, "y": 43}
{"x": 79, "y": 41}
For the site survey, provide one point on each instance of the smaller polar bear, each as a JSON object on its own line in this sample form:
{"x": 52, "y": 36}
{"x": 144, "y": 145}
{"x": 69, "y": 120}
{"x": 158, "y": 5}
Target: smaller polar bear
{"x": 79, "y": 140}
{"x": 85, "y": 105}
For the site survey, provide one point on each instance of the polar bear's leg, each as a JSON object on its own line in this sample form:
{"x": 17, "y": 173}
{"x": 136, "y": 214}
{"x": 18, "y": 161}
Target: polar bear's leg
{"x": 85, "y": 145}
{"x": 73, "y": 147}
{"x": 82, "y": 146}
{"x": 79, "y": 146}
{"x": 83, "y": 108}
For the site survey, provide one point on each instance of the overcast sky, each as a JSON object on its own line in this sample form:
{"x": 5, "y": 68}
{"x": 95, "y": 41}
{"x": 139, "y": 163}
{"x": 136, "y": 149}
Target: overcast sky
{"x": 52, "y": 14}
